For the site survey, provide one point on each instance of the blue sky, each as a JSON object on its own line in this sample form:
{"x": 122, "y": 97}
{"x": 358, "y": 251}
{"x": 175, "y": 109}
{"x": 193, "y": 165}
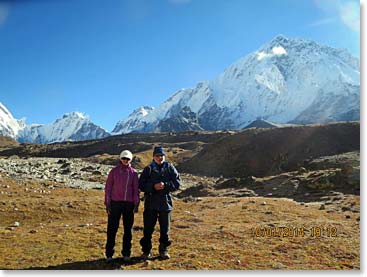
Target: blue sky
{"x": 106, "y": 58}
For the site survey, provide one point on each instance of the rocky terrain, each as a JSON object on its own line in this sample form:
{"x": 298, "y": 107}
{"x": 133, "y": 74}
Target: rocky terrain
{"x": 71, "y": 172}
{"x": 52, "y": 213}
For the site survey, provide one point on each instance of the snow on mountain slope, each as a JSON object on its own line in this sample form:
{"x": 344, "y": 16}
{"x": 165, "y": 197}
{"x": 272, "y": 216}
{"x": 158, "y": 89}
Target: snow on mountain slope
{"x": 133, "y": 121}
{"x": 73, "y": 126}
{"x": 9, "y": 126}
{"x": 286, "y": 80}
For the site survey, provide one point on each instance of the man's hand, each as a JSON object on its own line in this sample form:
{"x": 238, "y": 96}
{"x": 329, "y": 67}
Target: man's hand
{"x": 136, "y": 209}
{"x": 159, "y": 186}
{"x": 108, "y": 210}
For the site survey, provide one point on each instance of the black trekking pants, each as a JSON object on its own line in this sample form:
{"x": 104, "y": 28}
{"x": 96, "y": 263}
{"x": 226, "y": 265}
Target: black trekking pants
{"x": 150, "y": 219}
{"x": 118, "y": 210}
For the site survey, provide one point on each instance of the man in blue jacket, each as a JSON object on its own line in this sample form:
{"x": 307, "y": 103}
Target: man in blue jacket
{"x": 157, "y": 181}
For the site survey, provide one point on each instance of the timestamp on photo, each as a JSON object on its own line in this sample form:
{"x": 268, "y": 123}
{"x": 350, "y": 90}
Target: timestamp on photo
{"x": 302, "y": 231}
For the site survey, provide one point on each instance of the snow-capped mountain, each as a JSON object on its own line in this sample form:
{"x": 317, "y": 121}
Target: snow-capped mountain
{"x": 133, "y": 121}
{"x": 286, "y": 80}
{"x": 70, "y": 127}
{"x": 9, "y": 126}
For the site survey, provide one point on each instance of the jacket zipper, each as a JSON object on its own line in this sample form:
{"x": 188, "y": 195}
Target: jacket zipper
{"x": 128, "y": 177}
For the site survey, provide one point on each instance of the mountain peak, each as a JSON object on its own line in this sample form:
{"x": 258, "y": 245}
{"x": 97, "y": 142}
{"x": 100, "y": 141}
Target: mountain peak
{"x": 9, "y": 126}
{"x": 279, "y": 39}
{"x": 75, "y": 115}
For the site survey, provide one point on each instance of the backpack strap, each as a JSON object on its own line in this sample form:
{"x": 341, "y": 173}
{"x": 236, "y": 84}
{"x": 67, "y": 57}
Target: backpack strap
{"x": 150, "y": 171}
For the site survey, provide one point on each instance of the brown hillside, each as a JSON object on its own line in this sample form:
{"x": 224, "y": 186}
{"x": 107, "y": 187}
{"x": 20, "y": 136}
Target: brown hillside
{"x": 114, "y": 144}
{"x": 6, "y": 142}
{"x": 264, "y": 152}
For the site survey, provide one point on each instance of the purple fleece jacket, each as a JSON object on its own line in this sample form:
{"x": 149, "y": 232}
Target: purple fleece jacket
{"x": 122, "y": 185}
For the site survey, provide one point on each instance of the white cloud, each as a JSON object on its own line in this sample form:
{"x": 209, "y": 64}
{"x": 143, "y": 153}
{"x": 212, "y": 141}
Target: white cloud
{"x": 348, "y": 12}
{"x": 275, "y": 51}
{"x": 350, "y": 15}
{"x": 323, "y": 21}
{"x": 279, "y": 50}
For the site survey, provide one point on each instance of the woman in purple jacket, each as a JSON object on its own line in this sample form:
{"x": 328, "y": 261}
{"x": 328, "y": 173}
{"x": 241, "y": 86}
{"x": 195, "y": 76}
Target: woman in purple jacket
{"x": 121, "y": 200}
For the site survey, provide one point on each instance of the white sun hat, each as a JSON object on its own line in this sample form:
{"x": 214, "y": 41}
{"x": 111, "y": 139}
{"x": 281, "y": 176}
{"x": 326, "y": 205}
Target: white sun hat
{"x": 126, "y": 154}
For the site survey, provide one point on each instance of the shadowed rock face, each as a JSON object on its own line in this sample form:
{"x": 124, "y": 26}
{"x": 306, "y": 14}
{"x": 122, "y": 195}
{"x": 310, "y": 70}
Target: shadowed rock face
{"x": 184, "y": 120}
{"x": 272, "y": 151}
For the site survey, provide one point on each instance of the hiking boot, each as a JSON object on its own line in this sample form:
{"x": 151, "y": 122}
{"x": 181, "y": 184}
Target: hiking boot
{"x": 164, "y": 255}
{"x": 146, "y": 256}
{"x": 126, "y": 259}
{"x": 109, "y": 260}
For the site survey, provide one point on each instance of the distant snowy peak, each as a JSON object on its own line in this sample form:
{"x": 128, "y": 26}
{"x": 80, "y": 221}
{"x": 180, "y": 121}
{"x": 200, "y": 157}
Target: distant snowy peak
{"x": 134, "y": 121}
{"x": 73, "y": 126}
{"x": 9, "y": 126}
{"x": 286, "y": 80}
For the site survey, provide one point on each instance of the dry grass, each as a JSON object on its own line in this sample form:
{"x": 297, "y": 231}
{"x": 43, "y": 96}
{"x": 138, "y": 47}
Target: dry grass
{"x": 215, "y": 233}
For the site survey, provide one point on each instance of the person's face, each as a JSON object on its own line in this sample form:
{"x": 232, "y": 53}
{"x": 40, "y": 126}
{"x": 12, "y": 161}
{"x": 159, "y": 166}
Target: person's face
{"x": 125, "y": 161}
{"x": 158, "y": 158}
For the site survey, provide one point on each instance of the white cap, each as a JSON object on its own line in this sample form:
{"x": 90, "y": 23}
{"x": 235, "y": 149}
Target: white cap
{"x": 126, "y": 154}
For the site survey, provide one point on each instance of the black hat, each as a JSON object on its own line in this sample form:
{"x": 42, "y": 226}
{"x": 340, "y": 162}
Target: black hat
{"x": 158, "y": 150}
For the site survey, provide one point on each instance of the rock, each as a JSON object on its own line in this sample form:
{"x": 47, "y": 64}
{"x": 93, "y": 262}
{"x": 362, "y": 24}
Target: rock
{"x": 61, "y": 161}
{"x": 263, "y": 203}
{"x": 33, "y": 231}
{"x": 269, "y": 213}
{"x": 302, "y": 170}
{"x": 347, "y": 169}
{"x": 322, "y": 207}
{"x": 16, "y": 224}
{"x": 88, "y": 168}
{"x": 191, "y": 199}
{"x": 65, "y": 165}
{"x": 65, "y": 171}
{"x": 279, "y": 266}
{"x": 347, "y": 216}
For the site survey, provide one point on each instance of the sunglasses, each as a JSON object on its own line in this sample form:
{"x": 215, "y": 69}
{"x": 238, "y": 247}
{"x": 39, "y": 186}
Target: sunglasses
{"x": 125, "y": 159}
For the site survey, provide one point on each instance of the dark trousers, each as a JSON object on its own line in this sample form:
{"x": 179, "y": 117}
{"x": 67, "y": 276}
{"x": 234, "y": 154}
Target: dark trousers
{"x": 118, "y": 210}
{"x": 150, "y": 219}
